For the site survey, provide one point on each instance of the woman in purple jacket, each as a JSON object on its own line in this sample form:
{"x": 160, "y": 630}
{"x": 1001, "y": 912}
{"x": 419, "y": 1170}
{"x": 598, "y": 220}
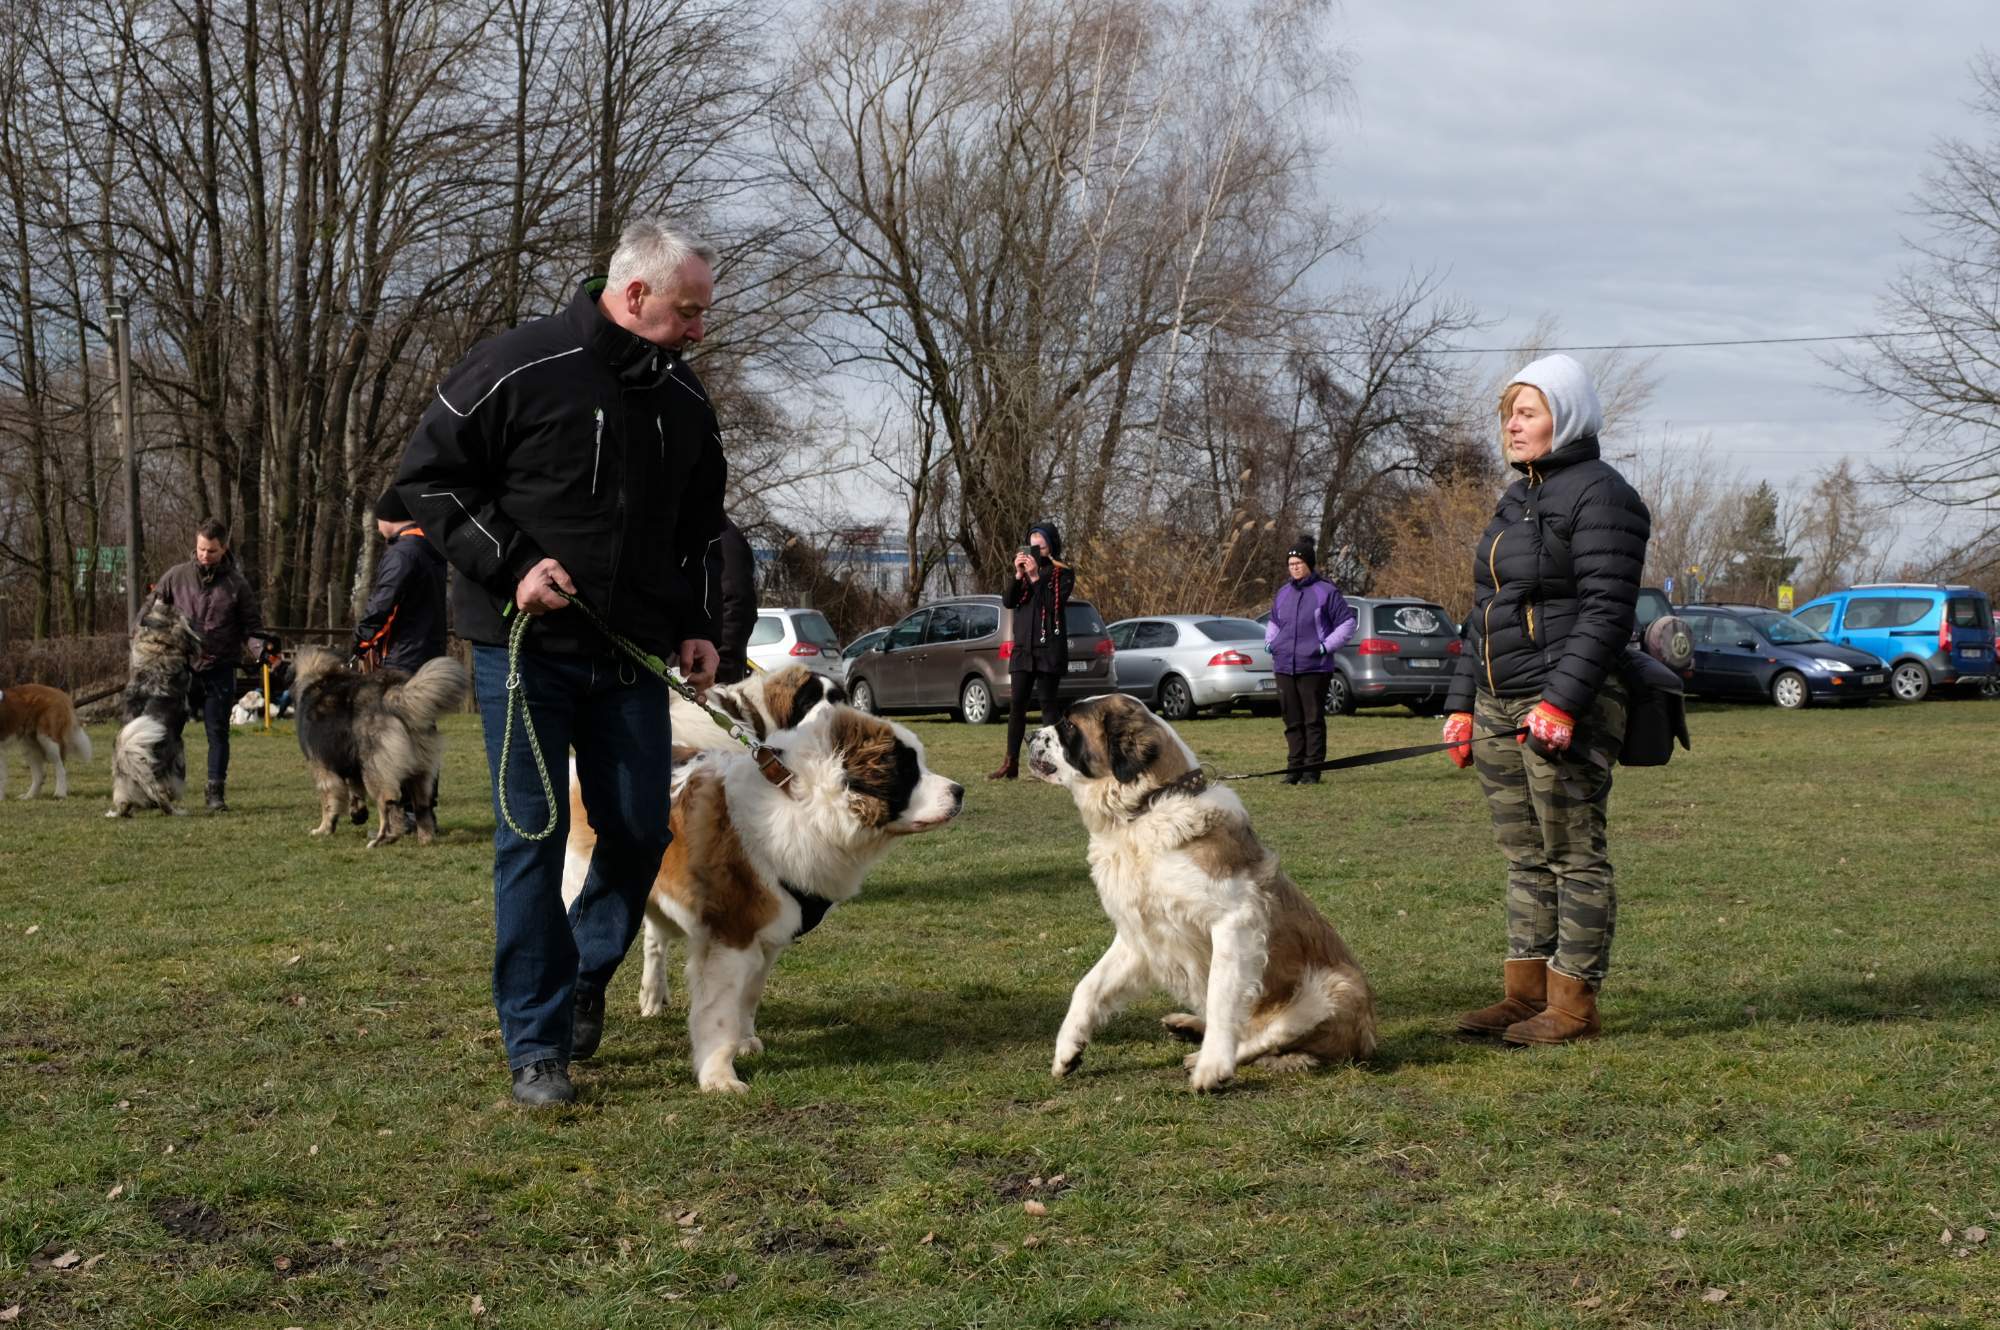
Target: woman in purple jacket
{"x": 1310, "y": 620}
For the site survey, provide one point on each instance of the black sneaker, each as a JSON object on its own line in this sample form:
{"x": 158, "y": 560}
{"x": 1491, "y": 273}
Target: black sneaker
{"x": 216, "y": 803}
{"x": 588, "y": 1031}
{"x": 543, "y": 1084}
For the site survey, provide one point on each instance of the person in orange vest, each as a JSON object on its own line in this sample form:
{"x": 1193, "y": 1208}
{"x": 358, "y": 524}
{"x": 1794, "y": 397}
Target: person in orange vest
{"x": 404, "y": 624}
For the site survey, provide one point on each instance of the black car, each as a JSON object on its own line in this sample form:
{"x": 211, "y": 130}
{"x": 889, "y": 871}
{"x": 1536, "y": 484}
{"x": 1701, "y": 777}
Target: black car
{"x": 1749, "y": 652}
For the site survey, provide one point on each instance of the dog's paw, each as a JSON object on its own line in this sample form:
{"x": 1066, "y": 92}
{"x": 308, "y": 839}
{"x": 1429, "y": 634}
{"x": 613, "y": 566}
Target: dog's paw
{"x": 1185, "y": 1025}
{"x": 1208, "y": 1076}
{"x": 1065, "y": 1063}
{"x": 112, "y": 812}
{"x": 750, "y": 1047}
{"x": 652, "y": 1004}
{"x": 317, "y": 830}
{"x": 731, "y": 1084}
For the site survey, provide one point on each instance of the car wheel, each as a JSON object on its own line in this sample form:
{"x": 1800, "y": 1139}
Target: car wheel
{"x": 862, "y": 696}
{"x": 1339, "y": 696}
{"x": 1176, "y": 699}
{"x": 1911, "y": 682}
{"x": 1789, "y": 690}
{"x": 975, "y": 702}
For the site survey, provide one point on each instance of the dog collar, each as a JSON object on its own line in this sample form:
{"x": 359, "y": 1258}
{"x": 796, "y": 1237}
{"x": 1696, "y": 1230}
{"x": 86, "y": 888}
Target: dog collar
{"x": 1191, "y": 782}
{"x": 812, "y": 908}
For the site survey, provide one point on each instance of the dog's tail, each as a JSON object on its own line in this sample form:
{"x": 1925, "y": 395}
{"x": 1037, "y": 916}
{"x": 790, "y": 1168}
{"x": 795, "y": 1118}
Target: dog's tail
{"x": 310, "y": 666}
{"x": 76, "y": 743}
{"x": 135, "y": 781}
{"x": 429, "y": 693}
{"x": 60, "y": 724}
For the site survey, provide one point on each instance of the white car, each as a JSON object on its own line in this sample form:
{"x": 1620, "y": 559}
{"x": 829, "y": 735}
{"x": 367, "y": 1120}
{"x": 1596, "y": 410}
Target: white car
{"x": 793, "y": 636}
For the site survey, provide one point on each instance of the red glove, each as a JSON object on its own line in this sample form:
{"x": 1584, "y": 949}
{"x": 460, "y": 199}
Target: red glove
{"x": 1458, "y": 730}
{"x": 1549, "y": 727}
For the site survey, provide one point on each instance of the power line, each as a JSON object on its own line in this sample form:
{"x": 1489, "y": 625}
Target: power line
{"x": 1672, "y": 346}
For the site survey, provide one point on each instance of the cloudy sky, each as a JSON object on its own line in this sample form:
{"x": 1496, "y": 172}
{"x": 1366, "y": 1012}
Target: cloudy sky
{"x": 1655, "y": 172}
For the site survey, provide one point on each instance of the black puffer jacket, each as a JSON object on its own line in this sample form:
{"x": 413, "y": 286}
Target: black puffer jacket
{"x": 1555, "y": 582}
{"x": 573, "y": 439}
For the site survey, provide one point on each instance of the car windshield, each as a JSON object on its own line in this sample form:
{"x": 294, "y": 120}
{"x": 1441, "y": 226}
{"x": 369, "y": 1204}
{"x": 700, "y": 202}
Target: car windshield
{"x": 1782, "y": 629}
{"x": 1231, "y": 630}
{"x": 812, "y": 627}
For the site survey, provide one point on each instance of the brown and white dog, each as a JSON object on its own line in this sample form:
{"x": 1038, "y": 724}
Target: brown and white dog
{"x": 764, "y": 703}
{"x": 1201, "y": 907}
{"x": 44, "y": 721}
{"x": 753, "y": 866}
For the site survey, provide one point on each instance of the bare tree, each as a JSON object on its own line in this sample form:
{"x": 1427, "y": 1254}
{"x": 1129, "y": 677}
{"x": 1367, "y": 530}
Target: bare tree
{"x": 1027, "y": 220}
{"x": 1937, "y": 362}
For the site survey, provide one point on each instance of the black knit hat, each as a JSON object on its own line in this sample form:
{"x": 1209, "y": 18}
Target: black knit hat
{"x": 1050, "y": 534}
{"x": 1304, "y": 548}
{"x": 391, "y": 508}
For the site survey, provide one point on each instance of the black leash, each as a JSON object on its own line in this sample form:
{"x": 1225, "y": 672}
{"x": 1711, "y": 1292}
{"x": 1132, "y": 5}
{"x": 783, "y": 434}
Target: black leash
{"x": 1375, "y": 758}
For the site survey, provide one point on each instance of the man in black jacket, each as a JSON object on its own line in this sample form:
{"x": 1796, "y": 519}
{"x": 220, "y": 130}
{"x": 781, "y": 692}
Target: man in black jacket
{"x": 404, "y": 624}
{"x": 577, "y": 455}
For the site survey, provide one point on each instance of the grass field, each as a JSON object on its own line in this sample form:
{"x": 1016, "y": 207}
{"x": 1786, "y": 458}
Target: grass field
{"x": 252, "y": 1079}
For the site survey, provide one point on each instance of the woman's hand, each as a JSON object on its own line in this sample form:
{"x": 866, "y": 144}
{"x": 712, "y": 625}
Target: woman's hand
{"x": 1550, "y": 727}
{"x": 1458, "y": 730}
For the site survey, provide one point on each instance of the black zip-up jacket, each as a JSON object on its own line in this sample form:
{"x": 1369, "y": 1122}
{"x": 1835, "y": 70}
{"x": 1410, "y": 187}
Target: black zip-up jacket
{"x": 404, "y": 624}
{"x": 571, "y": 438}
{"x": 1555, "y": 583}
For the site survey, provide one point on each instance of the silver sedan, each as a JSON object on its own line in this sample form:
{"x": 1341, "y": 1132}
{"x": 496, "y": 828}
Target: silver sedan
{"x": 1181, "y": 663}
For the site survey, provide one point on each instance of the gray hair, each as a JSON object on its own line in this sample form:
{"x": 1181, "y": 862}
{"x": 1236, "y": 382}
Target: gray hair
{"x": 651, "y": 251}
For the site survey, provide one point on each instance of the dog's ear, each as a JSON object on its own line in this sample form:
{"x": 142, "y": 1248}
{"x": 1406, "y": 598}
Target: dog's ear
{"x": 804, "y": 698}
{"x": 1075, "y": 743}
{"x": 1131, "y": 741}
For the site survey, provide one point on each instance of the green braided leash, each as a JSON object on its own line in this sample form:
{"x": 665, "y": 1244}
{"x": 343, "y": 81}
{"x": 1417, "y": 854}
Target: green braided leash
{"x": 767, "y": 759}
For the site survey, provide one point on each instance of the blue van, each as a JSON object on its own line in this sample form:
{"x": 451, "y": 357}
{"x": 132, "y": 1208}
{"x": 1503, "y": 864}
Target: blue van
{"x": 1931, "y": 635}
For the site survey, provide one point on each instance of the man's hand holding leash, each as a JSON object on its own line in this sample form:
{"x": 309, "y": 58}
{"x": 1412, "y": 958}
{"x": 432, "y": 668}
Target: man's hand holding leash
{"x": 546, "y": 587}
{"x": 699, "y": 660}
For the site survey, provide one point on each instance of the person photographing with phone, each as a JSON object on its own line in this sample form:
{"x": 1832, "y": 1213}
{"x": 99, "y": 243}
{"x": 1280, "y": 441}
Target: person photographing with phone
{"x": 1039, "y": 596}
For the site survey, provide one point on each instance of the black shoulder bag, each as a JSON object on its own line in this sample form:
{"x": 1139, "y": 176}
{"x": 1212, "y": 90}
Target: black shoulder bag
{"x": 1656, "y": 702}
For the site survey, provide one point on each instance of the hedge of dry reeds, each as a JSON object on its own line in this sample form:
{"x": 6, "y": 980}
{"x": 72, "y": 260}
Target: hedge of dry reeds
{"x": 80, "y": 666}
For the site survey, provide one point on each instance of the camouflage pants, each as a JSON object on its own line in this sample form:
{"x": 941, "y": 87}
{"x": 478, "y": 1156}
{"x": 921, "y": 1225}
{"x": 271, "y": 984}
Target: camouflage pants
{"x": 1548, "y": 816}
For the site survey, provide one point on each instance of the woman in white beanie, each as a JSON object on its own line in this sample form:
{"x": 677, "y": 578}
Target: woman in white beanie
{"x": 1555, "y": 582}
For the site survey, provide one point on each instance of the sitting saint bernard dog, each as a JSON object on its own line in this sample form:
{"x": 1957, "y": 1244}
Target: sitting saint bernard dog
{"x": 1201, "y": 907}
{"x": 754, "y": 865}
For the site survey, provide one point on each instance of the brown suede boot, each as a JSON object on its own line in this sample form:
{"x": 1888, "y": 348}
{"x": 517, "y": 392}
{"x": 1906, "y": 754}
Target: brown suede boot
{"x": 1009, "y": 770}
{"x": 1571, "y": 1014}
{"x": 1527, "y": 993}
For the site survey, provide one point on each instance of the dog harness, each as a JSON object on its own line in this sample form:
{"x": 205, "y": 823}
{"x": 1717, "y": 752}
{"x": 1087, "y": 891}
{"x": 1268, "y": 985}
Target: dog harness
{"x": 812, "y": 908}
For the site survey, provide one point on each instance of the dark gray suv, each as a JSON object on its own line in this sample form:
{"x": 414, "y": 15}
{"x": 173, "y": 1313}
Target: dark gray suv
{"x": 952, "y": 654}
{"x": 1403, "y": 650}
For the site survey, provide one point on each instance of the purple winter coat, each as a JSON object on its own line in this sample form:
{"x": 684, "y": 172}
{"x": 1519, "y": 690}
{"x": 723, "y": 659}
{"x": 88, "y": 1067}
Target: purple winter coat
{"x": 1310, "y": 620}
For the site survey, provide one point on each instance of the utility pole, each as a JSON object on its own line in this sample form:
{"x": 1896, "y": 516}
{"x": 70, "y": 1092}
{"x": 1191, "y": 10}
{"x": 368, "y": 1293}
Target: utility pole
{"x": 118, "y": 314}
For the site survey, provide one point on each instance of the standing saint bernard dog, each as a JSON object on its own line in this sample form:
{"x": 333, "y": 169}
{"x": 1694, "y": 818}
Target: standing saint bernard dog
{"x": 754, "y": 865}
{"x": 1201, "y": 907}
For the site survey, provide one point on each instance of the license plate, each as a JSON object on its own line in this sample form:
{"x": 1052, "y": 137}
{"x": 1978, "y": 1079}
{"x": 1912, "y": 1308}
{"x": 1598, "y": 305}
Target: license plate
{"x": 1267, "y": 683}
{"x": 1425, "y": 664}
{"x": 1872, "y": 678}
{"x": 1078, "y": 666}
{"x": 1972, "y": 653}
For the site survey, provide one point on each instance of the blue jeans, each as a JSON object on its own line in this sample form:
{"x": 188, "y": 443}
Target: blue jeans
{"x": 615, "y": 718}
